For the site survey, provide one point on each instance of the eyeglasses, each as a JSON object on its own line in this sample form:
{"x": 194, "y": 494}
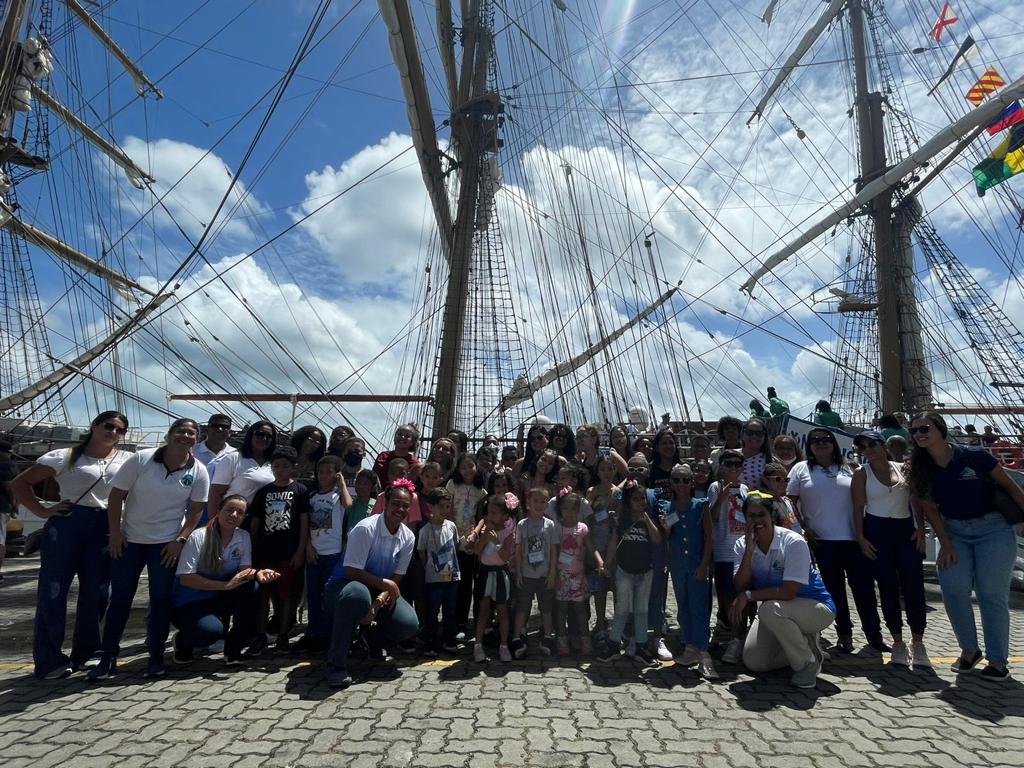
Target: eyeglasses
{"x": 819, "y": 439}
{"x": 922, "y": 430}
{"x": 732, "y": 464}
{"x": 681, "y": 480}
{"x": 263, "y": 435}
{"x": 112, "y": 427}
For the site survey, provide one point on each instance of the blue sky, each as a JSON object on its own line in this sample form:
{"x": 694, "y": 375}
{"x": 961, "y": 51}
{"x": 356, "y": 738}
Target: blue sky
{"x": 352, "y": 275}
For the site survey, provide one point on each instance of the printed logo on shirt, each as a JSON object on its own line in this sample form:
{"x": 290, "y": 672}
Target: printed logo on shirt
{"x": 776, "y": 566}
{"x": 968, "y": 474}
{"x": 321, "y": 513}
{"x": 278, "y": 511}
{"x": 187, "y": 479}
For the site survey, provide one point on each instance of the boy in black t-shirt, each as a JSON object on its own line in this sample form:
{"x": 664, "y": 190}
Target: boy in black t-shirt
{"x": 278, "y": 524}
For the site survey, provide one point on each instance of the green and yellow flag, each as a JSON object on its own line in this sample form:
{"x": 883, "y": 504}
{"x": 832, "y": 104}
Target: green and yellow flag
{"x": 1005, "y": 161}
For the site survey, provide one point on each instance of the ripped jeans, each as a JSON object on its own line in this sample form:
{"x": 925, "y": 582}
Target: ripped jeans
{"x": 72, "y": 545}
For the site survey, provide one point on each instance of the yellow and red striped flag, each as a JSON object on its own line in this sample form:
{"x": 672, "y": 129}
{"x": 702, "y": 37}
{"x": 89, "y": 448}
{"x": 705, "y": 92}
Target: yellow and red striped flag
{"x": 989, "y": 82}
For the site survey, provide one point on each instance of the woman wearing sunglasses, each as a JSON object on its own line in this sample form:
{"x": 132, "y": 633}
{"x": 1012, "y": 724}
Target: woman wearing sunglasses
{"x": 725, "y": 505}
{"x": 893, "y": 544}
{"x": 821, "y": 487}
{"x": 756, "y": 450}
{"x": 246, "y": 471}
{"x": 953, "y": 486}
{"x": 73, "y": 543}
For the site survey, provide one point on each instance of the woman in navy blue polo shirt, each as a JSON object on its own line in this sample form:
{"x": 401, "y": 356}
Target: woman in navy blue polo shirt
{"x": 954, "y": 485}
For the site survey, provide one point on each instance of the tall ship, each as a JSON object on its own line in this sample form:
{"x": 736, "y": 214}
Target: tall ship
{"x": 625, "y": 209}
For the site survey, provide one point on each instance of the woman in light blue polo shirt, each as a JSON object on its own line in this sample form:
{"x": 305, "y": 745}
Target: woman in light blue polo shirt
{"x": 773, "y": 567}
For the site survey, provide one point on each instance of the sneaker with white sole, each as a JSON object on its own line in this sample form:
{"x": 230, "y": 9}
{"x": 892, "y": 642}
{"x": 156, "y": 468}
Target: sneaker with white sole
{"x": 706, "y": 666}
{"x": 659, "y": 649}
{"x": 920, "y": 655}
{"x": 900, "y": 654}
{"x": 478, "y": 653}
{"x": 733, "y": 651}
{"x": 808, "y": 676}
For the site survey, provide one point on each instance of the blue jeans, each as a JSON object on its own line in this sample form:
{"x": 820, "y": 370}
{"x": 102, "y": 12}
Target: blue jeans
{"x": 124, "y": 580}
{"x": 346, "y": 604}
{"x": 317, "y": 575}
{"x": 203, "y": 622}
{"x": 659, "y": 590}
{"x": 72, "y": 545}
{"x": 441, "y": 596}
{"x": 985, "y": 549}
{"x": 632, "y": 594}
{"x": 694, "y": 602}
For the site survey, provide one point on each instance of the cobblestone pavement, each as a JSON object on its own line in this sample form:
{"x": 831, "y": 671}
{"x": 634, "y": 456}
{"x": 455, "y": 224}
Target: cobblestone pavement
{"x": 574, "y": 712}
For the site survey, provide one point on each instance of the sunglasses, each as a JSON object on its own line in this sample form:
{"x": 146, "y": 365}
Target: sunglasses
{"x": 219, "y": 426}
{"x": 924, "y": 430}
{"x": 681, "y": 480}
{"x": 818, "y": 440}
{"x": 637, "y": 470}
{"x": 870, "y": 443}
{"x": 776, "y": 478}
{"x": 263, "y": 435}
{"x": 754, "y": 432}
{"x": 732, "y": 464}
{"x": 111, "y": 427}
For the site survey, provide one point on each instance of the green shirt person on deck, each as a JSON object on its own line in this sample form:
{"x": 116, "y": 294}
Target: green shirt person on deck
{"x": 757, "y": 410}
{"x": 776, "y": 404}
{"x": 825, "y": 416}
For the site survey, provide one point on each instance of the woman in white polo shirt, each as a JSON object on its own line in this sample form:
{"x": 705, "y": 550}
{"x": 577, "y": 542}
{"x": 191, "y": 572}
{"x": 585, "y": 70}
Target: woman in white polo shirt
{"x": 773, "y": 567}
{"x": 247, "y": 470}
{"x": 73, "y": 543}
{"x": 156, "y": 501}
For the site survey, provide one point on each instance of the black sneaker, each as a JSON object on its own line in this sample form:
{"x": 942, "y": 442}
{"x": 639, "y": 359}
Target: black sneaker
{"x": 844, "y": 645}
{"x": 518, "y": 647}
{"x": 257, "y": 647}
{"x": 878, "y": 644}
{"x": 644, "y": 654}
{"x": 105, "y": 669}
{"x": 450, "y": 646}
{"x": 155, "y": 667}
{"x": 607, "y": 650}
{"x": 992, "y": 672}
{"x": 549, "y": 646}
{"x": 181, "y": 655}
{"x": 966, "y": 665}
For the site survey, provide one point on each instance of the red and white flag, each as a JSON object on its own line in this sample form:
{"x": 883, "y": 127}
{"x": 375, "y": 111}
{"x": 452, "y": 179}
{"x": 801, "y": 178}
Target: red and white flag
{"x": 946, "y": 19}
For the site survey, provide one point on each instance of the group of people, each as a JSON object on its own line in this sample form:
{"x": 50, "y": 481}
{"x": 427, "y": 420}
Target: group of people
{"x": 449, "y": 552}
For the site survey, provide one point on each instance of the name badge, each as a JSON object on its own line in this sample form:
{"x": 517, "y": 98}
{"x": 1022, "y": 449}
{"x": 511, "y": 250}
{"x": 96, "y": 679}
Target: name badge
{"x": 671, "y": 519}
{"x": 601, "y": 515}
{"x": 566, "y": 558}
{"x": 535, "y": 558}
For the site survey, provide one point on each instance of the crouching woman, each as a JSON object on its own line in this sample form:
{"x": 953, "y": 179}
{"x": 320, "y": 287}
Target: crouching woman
{"x": 773, "y": 567}
{"x": 216, "y": 586}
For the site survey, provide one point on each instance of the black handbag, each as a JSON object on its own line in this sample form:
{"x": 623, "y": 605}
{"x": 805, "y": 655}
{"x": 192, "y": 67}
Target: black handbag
{"x": 1005, "y": 504}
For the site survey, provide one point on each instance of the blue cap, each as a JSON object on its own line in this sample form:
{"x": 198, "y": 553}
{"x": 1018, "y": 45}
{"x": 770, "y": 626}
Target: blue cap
{"x": 871, "y": 434}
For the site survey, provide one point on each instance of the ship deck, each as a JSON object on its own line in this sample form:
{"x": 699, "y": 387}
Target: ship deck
{"x": 567, "y": 712}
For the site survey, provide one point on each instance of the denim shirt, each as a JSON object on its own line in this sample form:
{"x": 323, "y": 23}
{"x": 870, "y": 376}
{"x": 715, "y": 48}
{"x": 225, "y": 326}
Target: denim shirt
{"x": 686, "y": 538}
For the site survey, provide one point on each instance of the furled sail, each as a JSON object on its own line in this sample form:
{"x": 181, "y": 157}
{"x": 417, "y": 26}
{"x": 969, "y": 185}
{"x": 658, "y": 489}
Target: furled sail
{"x": 75, "y": 366}
{"x": 402, "y": 40}
{"x": 142, "y": 83}
{"x": 806, "y": 42}
{"x": 951, "y": 134}
{"x": 523, "y": 389}
{"x": 60, "y": 249}
{"x": 135, "y": 175}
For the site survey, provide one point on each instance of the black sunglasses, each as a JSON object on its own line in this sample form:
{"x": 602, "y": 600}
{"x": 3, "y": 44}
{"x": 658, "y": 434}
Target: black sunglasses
{"x": 732, "y": 464}
{"x": 219, "y": 426}
{"x": 922, "y": 430}
{"x": 819, "y": 439}
{"x": 753, "y": 432}
{"x": 112, "y": 427}
{"x": 681, "y": 480}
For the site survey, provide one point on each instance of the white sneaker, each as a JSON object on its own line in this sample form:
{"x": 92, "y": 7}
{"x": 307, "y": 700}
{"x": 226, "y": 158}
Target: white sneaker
{"x": 899, "y": 655}
{"x": 706, "y": 667}
{"x": 733, "y": 652}
{"x": 503, "y": 653}
{"x": 921, "y": 660}
{"x": 478, "y": 653}
{"x": 659, "y": 649}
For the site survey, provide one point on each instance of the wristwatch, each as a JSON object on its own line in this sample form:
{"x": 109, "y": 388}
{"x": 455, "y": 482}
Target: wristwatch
{"x": 181, "y": 540}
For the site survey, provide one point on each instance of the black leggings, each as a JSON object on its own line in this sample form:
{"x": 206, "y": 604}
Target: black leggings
{"x": 842, "y": 562}
{"x": 899, "y": 570}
